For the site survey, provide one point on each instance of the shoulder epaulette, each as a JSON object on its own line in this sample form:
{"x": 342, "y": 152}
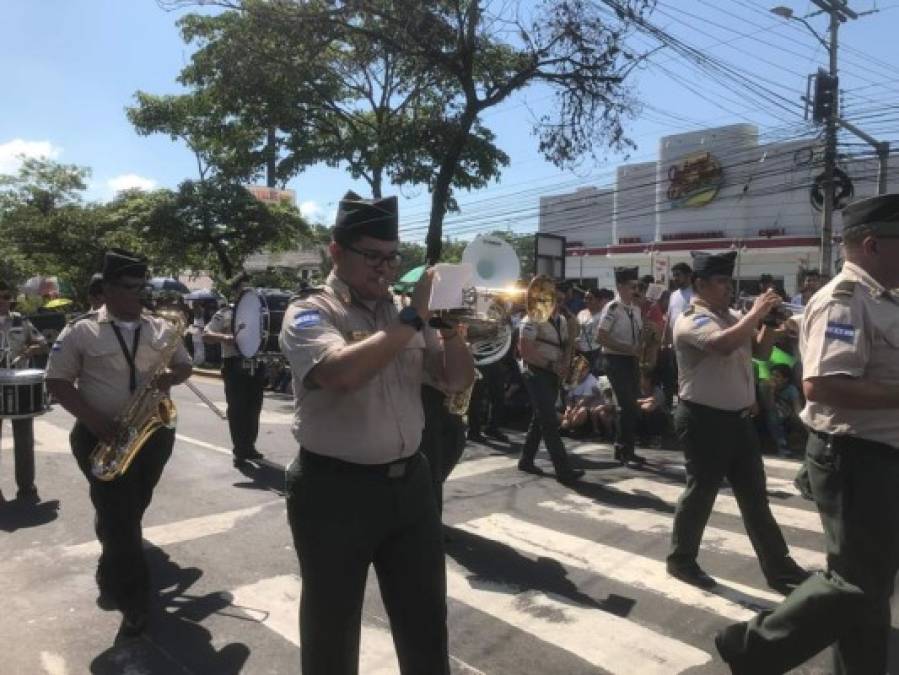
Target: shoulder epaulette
{"x": 81, "y": 317}
{"x": 305, "y": 293}
{"x": 613, "y": 304}
{"x": 688, "y": 311}
{"x": 844, "y": 289}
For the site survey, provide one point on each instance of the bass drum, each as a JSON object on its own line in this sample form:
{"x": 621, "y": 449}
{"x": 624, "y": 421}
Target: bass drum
{"x": 23, "y": 393}
{"x": 250, "y": 323}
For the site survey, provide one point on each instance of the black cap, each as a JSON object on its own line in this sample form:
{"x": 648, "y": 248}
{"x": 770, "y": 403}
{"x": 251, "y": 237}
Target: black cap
{"x": 625, "y": 274}
{"x": 376, "y": 218}
{"x": 708, "y": 264}
{"x": 880, "y": 213}
{"x": 95, "y": 286}
{"x": 119, "y": 263}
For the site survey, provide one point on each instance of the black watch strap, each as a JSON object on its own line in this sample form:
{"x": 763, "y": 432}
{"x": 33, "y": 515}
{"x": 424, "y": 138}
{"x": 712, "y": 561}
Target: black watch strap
{"x": 409, "y": 316}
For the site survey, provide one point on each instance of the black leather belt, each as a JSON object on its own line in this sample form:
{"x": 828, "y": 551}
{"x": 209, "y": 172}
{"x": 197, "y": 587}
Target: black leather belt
{"x": 840, "y": 441}
{"x": 745, "y": 412}
{"x": 397, "y": 469}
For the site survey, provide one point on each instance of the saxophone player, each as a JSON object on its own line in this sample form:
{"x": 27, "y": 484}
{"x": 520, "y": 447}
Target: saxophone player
{"x": 96, "y": 365}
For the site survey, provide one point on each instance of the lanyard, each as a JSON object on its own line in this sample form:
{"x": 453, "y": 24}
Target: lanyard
{"x": 630, "y": 315}
{"x": 129, "y": 356}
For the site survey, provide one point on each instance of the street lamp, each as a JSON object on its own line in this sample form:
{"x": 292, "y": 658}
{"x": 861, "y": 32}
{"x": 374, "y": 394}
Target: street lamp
{"x": 787, "y": 13}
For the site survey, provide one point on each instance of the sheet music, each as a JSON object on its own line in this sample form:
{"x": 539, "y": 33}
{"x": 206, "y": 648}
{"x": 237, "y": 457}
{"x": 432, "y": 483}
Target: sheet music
{"x": 447, "y": 286}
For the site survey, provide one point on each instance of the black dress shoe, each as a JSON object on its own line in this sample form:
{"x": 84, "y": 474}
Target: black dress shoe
{"x": 726, "y": 642}
{"x": 633, "y": 458}
{"x": 497, "y": 435}
{"x": 788, "y": 577}
{"x": 240, "y": 463}
{"x": 530, "y": 467}
{"x": 254, "y": 454}
{"x": 477, "y": 438}
{"x": 570, "y": 476}
{"x": 28, "y": 496}
{"x": 693, "y": 575}
{"x": 620, "y": 454}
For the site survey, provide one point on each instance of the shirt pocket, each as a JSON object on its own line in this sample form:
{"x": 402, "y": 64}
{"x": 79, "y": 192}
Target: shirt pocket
{"x": 411, "y": 358}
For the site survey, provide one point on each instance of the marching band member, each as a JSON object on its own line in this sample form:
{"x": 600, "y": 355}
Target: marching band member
{"x": 97, "y": 364}
{"x": 244, "y": 380}
{"x": 543, "y": 346}
{"x": 20, "y": 341}
{"x": 619, "y": 334}
{"x": 850, "y": 357}
{"x": 714, "y": 347}
{"x": 359, "y": 492}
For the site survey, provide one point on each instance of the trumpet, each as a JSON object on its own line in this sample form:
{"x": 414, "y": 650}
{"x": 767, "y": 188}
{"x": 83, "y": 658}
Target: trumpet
{"x": 786, "y": 315}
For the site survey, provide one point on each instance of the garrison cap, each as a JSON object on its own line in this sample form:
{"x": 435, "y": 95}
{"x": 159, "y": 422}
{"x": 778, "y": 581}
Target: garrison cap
{"x": 625, "y": 274}
{"x": 881, "y": 213}
{"x": 119, "y": 263}
{"x": 711, "y": 264}
{"x": 376, "y": 218}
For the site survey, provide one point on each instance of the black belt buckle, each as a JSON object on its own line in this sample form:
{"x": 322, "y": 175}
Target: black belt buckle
{"x": 397, "y": 469}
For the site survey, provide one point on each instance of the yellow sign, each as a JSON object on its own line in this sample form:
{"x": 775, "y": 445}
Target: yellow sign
{"x": 695, "y": 181}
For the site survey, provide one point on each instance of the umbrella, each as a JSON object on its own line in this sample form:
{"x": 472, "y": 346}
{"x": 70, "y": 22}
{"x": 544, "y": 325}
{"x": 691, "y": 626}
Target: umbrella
{"x": 202, "y": 294}
{"x": 168, "y": 284}
{"x": 408, "y": 280}
{"x": 58, "y": 302}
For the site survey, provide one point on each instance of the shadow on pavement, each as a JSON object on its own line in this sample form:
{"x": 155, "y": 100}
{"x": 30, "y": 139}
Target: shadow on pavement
{"x": 174, "y": 640}
{"x": 16, "y": 515}
{"x": 263, "y": 475}
{"x": 491, "y": 562}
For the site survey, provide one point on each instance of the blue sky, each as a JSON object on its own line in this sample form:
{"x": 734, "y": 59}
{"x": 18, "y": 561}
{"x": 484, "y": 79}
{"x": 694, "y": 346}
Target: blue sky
{"x": 71, "y": 67}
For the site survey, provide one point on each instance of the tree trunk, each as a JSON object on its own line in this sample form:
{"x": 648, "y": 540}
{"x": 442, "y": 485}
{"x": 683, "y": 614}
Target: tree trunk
{"x": 271, "y": 160}
{"x": 377, "y": 179}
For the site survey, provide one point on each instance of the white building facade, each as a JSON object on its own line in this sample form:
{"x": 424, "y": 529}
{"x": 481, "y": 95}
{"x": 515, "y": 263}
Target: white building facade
{"x": 711, "y": 190}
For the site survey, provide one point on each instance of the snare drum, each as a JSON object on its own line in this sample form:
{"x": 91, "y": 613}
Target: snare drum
{"x": 250, "y": 323}
{"x": 23, "y": 393}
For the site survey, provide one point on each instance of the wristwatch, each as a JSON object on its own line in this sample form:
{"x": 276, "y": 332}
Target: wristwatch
{"x": 409, "y": 316}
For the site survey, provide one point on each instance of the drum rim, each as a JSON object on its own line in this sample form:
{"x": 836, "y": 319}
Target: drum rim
{"x": 23, "y": 376}
{"x": 263, "y": 304}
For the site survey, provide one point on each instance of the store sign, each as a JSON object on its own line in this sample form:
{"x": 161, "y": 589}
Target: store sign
{"x": 272, "y": 195}
{"x": 694, "y": 181}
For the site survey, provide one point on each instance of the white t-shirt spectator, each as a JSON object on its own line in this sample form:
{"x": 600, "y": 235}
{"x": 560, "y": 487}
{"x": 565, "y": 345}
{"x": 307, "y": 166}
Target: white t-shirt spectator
{"x": 678, "y": 302}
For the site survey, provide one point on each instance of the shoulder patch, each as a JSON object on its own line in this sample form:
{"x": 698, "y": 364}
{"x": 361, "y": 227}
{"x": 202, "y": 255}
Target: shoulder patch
{"x": 844, "y": 289}
{"x": 700, "y": 320}
{"x": 307, "y": 318}
{"x": 82, "y": 317}
{"x": 844, "y": 332}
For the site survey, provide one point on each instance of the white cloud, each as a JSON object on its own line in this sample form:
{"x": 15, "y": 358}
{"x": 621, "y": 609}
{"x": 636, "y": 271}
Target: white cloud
{"x": 130, "y": 181}
{"x": 10, "y": 153}
{"x": 311, "y": 211}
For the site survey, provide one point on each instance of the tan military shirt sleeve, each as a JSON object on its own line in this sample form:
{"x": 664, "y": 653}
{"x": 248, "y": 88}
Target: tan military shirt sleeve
{"x": 309, "y": 333}
{"x": 834, "y": 339}
{"x": 65, "y": 356}
{"x": 697, "y": 329}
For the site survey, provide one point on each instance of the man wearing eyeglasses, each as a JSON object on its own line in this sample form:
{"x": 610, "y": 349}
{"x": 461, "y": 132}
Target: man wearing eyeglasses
{"x": 97, "y": 364}
{"x": 19, "y": 341}
{"x": 244, "y": 380}
{"x": 619, "y": 334}
{"x": 359, "y": 492}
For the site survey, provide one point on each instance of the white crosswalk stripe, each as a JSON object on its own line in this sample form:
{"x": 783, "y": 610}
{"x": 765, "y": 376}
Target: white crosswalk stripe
{"x": 784, "y": 515}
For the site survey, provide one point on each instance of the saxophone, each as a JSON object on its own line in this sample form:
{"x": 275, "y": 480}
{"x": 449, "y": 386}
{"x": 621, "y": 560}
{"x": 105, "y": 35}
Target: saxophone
{"x": 148, "y": 409}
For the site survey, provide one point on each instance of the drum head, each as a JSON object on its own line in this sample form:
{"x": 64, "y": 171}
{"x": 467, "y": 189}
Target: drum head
{"x": 250, "y": 324}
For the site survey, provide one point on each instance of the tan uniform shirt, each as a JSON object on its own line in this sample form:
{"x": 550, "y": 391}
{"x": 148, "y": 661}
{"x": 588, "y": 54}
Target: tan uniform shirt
{"x": 550, "y": 340}
{"x": 17, "y": 333}
{"x": 381, "y": 421}
{"x": 723, "y": 381}
{"x": 851, "y": 327}
{"x": 87, "y": 353}
{"x": 221, "y": 323}
{"x": 623, "y": 323}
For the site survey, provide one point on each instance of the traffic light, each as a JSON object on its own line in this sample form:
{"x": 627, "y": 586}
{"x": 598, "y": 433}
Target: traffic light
{"x": 826, "y": 92}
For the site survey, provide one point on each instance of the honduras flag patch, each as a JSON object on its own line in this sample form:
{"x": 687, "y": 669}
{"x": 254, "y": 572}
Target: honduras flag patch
{"x": 844, "y": 332}
{"x": 307, "y": 318}
{"x": 700, "y": 320}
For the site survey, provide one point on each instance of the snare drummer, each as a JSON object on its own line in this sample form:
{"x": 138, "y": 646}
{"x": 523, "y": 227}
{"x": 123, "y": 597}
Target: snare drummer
{"x": 19, "y": 341}
{"x": 244, "y": 379}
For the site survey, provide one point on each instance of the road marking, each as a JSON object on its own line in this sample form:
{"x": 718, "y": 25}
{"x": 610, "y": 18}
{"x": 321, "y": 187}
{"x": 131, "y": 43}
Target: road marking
{"x": 182, "y": 530}
{"x": 275, "y": 603}
{"x": 596, "y": 636}
{"x": 646, "y": 522}
{"x": 53, "y": 664}
{"x": 732, "y": 600}
{"x": 784, "y": 515}
{"x": 202, "y": 444}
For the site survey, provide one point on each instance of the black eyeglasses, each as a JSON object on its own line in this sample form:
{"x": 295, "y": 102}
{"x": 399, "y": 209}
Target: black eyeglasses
{"x": 375, "y": 259}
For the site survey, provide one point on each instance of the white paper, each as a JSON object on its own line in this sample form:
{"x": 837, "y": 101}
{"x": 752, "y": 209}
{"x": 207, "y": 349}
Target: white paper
{"x": 447, "y": 286}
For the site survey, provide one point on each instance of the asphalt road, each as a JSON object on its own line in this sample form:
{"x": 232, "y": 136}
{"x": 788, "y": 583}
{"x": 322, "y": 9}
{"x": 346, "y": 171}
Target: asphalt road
{"x": 541, "y": 578}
